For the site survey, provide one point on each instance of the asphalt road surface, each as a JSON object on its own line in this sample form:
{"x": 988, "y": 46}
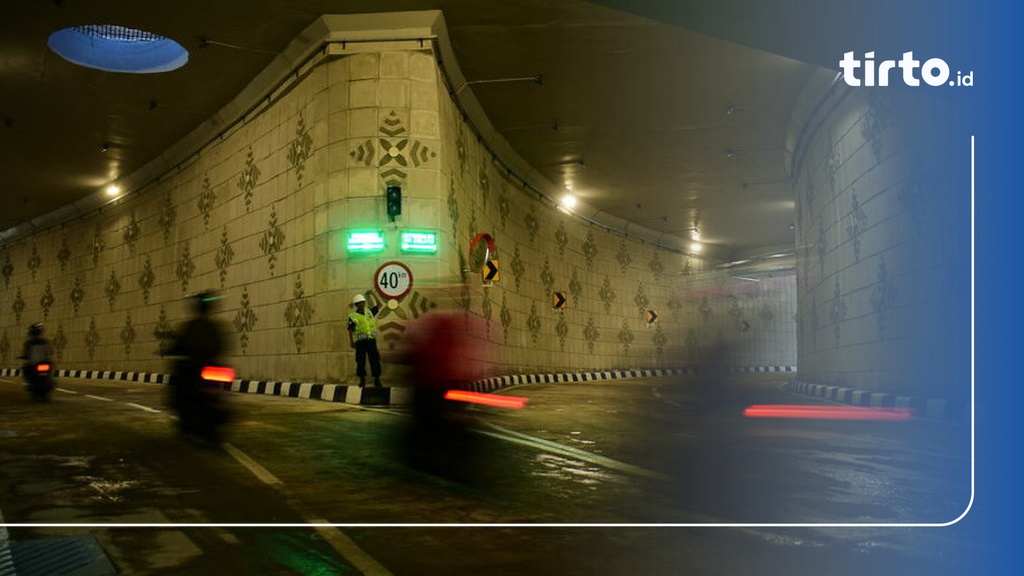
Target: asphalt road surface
{"x": 645, "y": 476}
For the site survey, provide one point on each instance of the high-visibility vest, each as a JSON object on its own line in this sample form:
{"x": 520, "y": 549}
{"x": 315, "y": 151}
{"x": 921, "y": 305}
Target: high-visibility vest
{"x": 365, "y": 325}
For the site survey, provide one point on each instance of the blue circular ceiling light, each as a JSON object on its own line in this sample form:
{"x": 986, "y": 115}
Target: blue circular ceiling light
{"x": 118, "y": 49}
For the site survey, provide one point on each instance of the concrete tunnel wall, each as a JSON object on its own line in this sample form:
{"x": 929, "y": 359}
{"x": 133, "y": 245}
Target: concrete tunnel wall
{"x": 883, "y": 238}
{"x": 262, "y": 213}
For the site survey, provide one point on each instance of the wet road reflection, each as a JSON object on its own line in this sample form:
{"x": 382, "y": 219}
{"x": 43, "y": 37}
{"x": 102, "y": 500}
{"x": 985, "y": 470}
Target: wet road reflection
{"x": 625, "y": 452}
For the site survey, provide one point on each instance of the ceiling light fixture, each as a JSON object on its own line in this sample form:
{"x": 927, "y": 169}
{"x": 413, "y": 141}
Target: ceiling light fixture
{"x": 695, "y": 247}
{"x": 113, "y": 190}
{"x": 117, "y": 49}
{"x": 568, "y": 201}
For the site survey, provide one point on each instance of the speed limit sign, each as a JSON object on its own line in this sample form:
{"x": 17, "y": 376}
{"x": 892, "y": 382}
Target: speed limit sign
{"x": 393, "y": 280}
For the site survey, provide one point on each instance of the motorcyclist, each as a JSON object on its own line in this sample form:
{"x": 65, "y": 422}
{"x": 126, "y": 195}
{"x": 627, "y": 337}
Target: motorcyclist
{"x": 35, "y": 351}
{"x": 199, "y": 343}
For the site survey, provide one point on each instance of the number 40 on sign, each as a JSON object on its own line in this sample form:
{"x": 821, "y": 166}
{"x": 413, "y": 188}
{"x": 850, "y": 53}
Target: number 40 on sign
{"x": 393, "y": 280}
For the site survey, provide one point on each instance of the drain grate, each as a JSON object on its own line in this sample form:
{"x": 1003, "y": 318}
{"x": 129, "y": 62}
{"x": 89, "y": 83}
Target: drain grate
{"x": 62, "y": 556}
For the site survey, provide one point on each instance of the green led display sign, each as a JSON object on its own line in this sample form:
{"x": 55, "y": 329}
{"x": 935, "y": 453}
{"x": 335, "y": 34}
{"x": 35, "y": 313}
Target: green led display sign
{"x": 365, "y": 241}
{"x": 419, "y": 242}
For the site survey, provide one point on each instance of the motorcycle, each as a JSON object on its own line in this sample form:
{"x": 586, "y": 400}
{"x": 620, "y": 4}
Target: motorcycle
{"x": 197, "y": 398}
{"x": 39, "y": 380}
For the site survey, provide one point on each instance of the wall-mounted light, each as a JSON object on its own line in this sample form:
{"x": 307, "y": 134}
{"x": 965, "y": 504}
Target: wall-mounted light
{"x": 568, "y": 201}
{"x": 419, "y": 242}
{"x": 365, "y": 241}
{"x": 695, "y": 247}
{"x": 113, "y": 190}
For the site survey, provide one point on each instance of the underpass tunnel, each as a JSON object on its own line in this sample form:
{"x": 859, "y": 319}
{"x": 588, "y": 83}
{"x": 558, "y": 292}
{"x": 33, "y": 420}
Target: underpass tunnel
{"x": 367, "y": 168}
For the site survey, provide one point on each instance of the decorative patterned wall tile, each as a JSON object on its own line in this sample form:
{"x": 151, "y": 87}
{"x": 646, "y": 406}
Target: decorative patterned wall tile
{"x": 64, "y": 255}
{"x": 168, "y": 217}
{"x": 591, "y": 334}
{"x": 99, "y": 243}
{"x": 504, "y": 205}
{"x": 46, "y": 300}
{"x": 92, "y": 338}
{"x": 223, "y": 257}
{"x": 298, "y": 313}
{"x": 589, "y": 250}
{"x": 607, "y": 294}
{"x": 248, "y": 179}
{"x": 300, "y": 148}
{"x": 562, "y": 329}
{"x": 838, "y": 311}
{"x": 185, "y": 268}
{"x": 127, "y": 335}
{"x": 18, "y": 306}
{"x": 547, "y": 277}
{"x": 641, "y": 300}
{"x": 533, "y": 323}
{"x": 625, "y": 337}
{"x": 77, "y": 294}
{"x": 623, "y": 257}
{"x": 833, "y": 161}
{"x": 506, "y": 316}
{"x": 531, "y": 223}
{"x": 705, "y": 310}
{"x": 517, "y": 267}
{"x": 130, "y": 235}
{"x": 146, "y": 279}
{"x": 659, "y": 339}
{"x": 878, "y": 117}
{"x": 655, "y": 266}
{"x": 8, "y": 269}
{"x": 112, "y": 289}
{"x": 34, "y": 262}
{"x": 59, "y": 341}
{"x": 575, "y": 286}
{"x": 207, "y": 199}
{"x": 883, "y": 297}
{"x": 487, "y": 308}
{"x": 483, "y": 182}
{"x": 161, "y": 329}
{"x": 856, "y": 223}
{"x": 272, "y": 240}
{"x": 561, "y": 238}
{"x": 453, "y": 208}
{"x": 245, "y": 321}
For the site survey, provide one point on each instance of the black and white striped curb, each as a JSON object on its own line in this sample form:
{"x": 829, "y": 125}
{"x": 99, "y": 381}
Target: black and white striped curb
{"x": 934, "y": 408}
{"x": 393, "y": 395}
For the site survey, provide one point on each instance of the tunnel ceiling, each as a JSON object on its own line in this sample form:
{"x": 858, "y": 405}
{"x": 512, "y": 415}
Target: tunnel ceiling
{"x": 659, "y": 117}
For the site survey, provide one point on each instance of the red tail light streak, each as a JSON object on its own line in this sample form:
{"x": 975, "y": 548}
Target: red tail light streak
{"x": 486, "y": 399}
{"x": 218, "y": 374}
{"x": 827, "y": 412}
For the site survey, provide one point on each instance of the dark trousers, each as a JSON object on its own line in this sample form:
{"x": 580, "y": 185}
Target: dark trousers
{"x": 367, "y": 349}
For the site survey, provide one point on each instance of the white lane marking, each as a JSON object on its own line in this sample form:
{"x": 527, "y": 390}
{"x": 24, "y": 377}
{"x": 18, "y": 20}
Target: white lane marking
{"x": 337, "y": 540}
{"x": 258, "y": 470}
{"x": 65, "y": 390}
{"x": 349, "y": 549}
{"x": 556, "y": 448}
{"x": 141, "y": 407}
{"x": 99, "y": 398}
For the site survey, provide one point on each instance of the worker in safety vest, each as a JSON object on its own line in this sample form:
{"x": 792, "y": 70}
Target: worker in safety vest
{"x": 362, "y": 336}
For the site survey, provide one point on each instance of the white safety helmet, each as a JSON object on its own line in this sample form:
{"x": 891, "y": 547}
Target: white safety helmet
{"x": 358, "y": 298}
